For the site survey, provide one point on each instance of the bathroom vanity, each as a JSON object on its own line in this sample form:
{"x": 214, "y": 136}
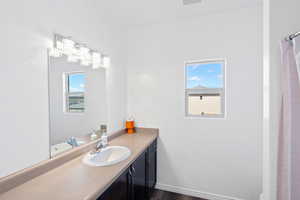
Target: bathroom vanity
{"x": 133, "y": 178}
{"x": 138, "y": 180}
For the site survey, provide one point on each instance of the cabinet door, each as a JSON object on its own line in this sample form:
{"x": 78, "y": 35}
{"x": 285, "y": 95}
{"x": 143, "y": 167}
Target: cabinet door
{"x": 151, "y": 167}
{"x": 137, "y": 182}
{"x": 138, "y": 170}
{"x": 119, "y": 190}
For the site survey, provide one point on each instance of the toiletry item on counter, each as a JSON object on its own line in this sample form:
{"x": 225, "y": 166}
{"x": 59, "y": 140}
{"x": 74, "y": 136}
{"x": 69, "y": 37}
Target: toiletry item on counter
{"x": 104, "y": 136}
{"x": 94, "y": 135}
{"x": 130, "y": 125}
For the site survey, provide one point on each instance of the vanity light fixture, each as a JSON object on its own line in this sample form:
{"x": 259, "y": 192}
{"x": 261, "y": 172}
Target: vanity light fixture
{"x": 77, "y": 52}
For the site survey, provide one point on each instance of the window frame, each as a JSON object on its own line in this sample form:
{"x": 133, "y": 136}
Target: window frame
{"x": 207, "y": 92}
{"x": 67, "y": 93}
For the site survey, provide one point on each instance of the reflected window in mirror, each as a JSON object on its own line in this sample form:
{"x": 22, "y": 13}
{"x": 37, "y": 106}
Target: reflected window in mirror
{"x": 74, "y": 92}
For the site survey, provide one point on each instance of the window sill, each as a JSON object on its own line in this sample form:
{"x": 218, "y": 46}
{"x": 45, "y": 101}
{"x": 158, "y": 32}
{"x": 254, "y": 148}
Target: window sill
{"x": 194, "y": 117}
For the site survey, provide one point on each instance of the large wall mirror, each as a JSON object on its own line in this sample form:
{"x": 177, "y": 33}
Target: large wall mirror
{"x": 77, "y": 103}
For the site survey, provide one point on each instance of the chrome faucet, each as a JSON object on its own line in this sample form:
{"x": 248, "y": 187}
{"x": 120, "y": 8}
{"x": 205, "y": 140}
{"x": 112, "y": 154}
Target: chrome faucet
{"x": 102, "y": 143}
{"x": 98, "y": 148}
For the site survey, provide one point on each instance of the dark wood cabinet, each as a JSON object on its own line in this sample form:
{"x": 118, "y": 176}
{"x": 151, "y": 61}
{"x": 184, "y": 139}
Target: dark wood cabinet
{"x": 139, "y": 178}
{"x": 151, "y": 169}
{"x": 118, "y": 190}
{"x": 138, "y": 181}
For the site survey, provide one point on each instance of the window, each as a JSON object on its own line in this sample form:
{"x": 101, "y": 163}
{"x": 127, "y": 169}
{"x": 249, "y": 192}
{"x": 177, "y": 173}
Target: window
{"x": 75, "y": 83}
{"x": 204, "y": 89}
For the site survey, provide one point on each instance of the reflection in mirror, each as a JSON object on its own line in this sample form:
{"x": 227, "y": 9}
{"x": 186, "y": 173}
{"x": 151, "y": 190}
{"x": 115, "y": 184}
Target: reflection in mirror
{"x": 77, "y": 104}
{"x": 74, "y": 91}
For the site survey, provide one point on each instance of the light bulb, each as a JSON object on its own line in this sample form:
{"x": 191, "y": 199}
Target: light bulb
{"x": 59, "y": 45}
{"x": 106, "y": 62}
{"x": 85, "y": 56}
{"x": 77, "y": 52}
{"x": 96, "y": 59}
{"x": 84, "y": 51}
{"x": 68, "y": 46}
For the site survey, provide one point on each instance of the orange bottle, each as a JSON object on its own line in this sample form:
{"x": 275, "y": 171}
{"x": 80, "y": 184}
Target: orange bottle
{"x": 130, "y": 126}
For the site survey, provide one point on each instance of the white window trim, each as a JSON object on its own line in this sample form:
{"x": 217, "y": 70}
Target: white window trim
{"x": 67, "y": 93}
{"x": 206, "y": 91}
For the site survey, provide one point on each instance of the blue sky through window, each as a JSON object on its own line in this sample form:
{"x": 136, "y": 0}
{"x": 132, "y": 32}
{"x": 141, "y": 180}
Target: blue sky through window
{"x": 76, "y": 82}
{"x": 207, "y": 75}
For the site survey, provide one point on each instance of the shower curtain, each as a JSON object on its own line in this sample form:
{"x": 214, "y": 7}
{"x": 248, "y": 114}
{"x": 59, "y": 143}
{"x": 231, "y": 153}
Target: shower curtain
{"x": 288, "y": 182}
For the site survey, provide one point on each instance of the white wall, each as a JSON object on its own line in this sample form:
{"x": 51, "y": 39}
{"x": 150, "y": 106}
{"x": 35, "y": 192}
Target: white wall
{"x": 221, "y": 157}
{"x": 282, "y": 20}
{"x": 26, "y": 29}
{"x": 64, "y": 125}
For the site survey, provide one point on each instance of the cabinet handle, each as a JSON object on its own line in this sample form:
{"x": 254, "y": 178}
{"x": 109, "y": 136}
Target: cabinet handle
{"x": 130, "y": 173}
{"x": 133, "y": 169}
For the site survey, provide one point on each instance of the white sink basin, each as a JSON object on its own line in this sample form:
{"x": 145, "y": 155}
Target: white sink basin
{"x": 108, "y": 156}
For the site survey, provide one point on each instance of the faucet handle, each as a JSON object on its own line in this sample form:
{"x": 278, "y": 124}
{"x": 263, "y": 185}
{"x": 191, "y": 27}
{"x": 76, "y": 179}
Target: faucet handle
{"x": 69, "y": 141}
{"x": 99, "y": 145}
{"x": 73, "y": 142}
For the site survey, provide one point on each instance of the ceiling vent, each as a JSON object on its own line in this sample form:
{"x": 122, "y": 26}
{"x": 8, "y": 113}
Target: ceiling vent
{"x": 189, "y": 2}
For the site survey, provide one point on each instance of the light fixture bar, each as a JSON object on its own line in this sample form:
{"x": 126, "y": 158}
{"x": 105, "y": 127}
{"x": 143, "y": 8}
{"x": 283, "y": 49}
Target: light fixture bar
{"x": 77, "y": 52}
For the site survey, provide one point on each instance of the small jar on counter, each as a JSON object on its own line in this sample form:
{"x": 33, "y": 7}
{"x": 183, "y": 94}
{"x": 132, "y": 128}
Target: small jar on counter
{"x": 130, "y": 125}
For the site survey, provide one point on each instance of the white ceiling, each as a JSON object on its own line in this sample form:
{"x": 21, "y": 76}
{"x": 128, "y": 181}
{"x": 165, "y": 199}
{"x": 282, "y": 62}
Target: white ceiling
{"x": 133, "y": 12}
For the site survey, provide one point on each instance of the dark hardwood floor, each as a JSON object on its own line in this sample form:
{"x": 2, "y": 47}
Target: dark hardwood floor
{"x": 163, "y": 195}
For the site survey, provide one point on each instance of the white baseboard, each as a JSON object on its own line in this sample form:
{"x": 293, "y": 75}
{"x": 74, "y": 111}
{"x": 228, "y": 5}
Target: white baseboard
{"x": 194, "y": 193}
